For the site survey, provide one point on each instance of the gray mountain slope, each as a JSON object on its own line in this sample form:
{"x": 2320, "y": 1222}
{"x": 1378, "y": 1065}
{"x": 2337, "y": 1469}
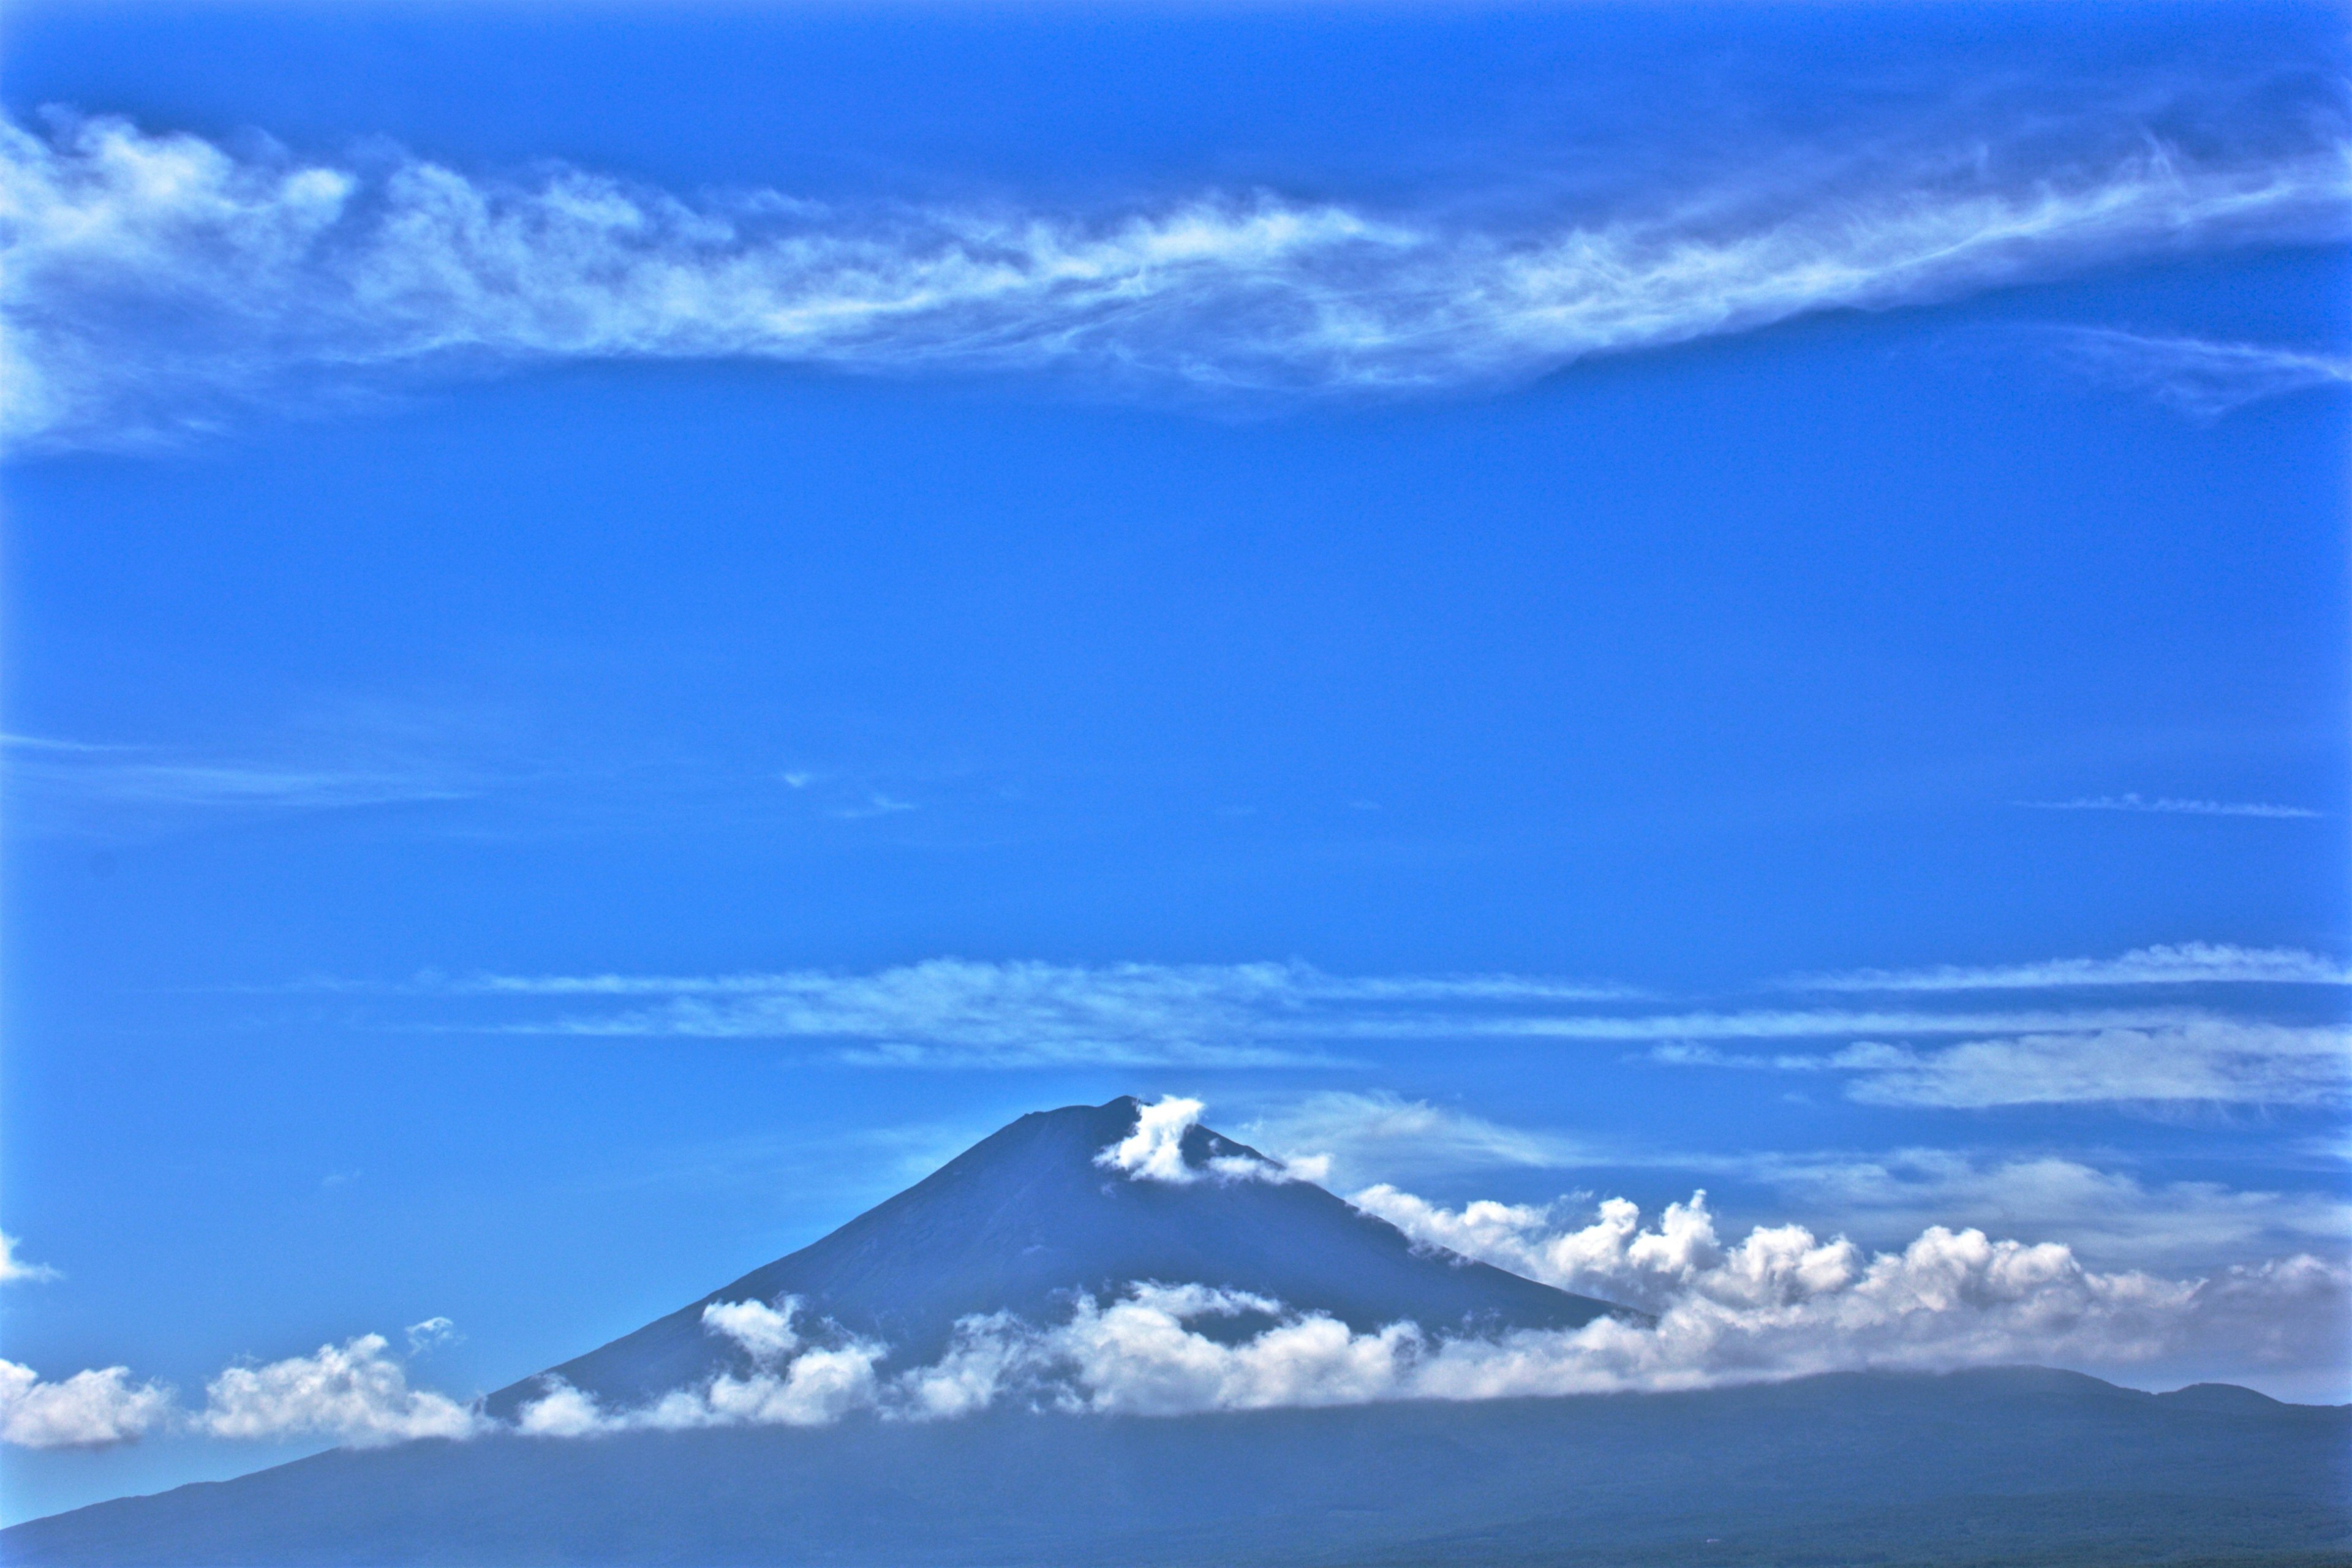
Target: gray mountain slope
{"x": 2014, "y": 1466}
{"x": 1026, "y": 1217}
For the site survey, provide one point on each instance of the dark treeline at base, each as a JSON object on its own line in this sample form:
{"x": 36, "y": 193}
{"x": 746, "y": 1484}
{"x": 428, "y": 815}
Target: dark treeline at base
{"x": 2007, "y": 1466}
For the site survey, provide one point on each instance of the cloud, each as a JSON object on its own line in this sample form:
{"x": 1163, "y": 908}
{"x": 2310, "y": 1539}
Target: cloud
{"x": 90, "y": 1409}
{"x": 1783, "y": 1302}
{"x": 2180, "y": 963}
{"x": 1780, "y": 1302}
{"x": 2165, "y": 804}
{"x": 149, "y": 779}
{"x": 960, "y": 1013}
{"x": 791, "y": 1382}
{"x": 354, "y": 1391}
{"x": 1154, "y": 1152}
{"x": 2205, "y": 1060}
{"x": 2217, "y": 1061}
{"x": 1343, "y": 1135}
{"x": 15, "y": 1270}
{"x": 2111, "y": 1216}
{"x": 431, "y": 1335}
{"x": 153, "y": 279}
{"x": 953, "y": 1012}
{"x": 2201, "y": 379}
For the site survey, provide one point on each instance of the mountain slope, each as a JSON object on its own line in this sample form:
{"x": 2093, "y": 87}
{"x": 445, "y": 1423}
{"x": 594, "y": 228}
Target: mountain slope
{"x": 2017, "y": 1464}
{"x": 1026, "y": 1217}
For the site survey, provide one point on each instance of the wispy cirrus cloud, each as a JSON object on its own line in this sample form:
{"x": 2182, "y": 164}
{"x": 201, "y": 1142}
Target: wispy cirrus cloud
{"x": 962, "y": 1013}
{"x": 2170, "y": 963}
{"x": 2196, "y": 1060}
{"x": 147, "y": 779}
{"x": 153, "y": 277}
{"x": 1347, "y": 1137}
{"x": 2174, "y": 806}
{"x": 2195, "y": 376}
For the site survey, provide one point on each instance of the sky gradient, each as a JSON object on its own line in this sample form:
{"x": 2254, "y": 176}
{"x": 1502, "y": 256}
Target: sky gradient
{"x": 626, "y": 626}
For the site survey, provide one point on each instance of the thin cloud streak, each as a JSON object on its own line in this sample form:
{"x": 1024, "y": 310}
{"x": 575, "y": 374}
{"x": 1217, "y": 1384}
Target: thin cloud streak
{"x": 2176, "y": 963}
{"x": 2215, "y": 1062}
{"x": 2199, "y": 378}
{"x": 2168, "y": 806}
{"x": 960, "y": 1013}
{"x": 152, "y": 277}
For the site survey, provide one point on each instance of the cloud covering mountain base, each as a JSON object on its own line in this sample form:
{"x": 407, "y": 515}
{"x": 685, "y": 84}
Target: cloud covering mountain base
{"x": 1777, "y": 1304}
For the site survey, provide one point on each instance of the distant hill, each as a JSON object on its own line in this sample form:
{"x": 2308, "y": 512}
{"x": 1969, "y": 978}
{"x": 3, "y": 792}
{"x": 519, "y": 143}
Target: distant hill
{"x": 1026, "y": 1217}
{"x": 2016, "y": 1465}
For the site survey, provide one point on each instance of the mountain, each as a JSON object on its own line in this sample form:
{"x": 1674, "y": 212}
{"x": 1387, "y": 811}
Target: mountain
{"x": 2009, "y": 1465}
{"x": 2013, "y": 1465}
{"x": 1026, "y": 1218}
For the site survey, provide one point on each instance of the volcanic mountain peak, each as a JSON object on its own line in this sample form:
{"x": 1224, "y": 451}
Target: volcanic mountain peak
{"x": 1083, "y": 1200}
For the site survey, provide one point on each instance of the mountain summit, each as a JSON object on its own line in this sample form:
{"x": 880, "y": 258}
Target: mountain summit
{"x": 1032, "y": 1216}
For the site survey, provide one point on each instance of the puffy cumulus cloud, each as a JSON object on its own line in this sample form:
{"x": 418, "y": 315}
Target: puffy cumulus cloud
{"x": 1783, "y": 1302}
{"x": 1154, "y": 1152}
{"x": 15, "y": 1270}
{"x": 355, "y": 1393}
{"x": 2110, "y": 1217}
{"x": 150, "y": 275}
{"x": 2166, "y": 964}
{"x": 1780, "y": 1302}
{"x": 791, "y": 1382}
{"x": 88, "y": 1410}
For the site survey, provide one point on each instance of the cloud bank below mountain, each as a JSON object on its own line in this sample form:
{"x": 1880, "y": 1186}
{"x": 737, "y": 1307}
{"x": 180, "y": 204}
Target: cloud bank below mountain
{"x": 1780, "y": 1302}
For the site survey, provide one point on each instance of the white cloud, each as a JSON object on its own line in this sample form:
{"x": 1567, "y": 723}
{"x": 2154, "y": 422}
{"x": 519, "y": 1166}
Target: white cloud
{"x": 2175, "y": 963}
{"x": 1783, "y": 1302}
{"x": 431, "y": 1335}
{"x": 1780, "y": 1303}
{"x": 1350, "y": 1137}
{"x": 793, "y": 1383}
{"x": 961, "y": 1013}
{"x": 2215, "y": 1062}
{"x": 1154, "y": 1152}
{"x": 950, "y": 1012}
{"x": 149, "y": 275}
{"x": 354, "y": 1391}
{"x": 2108, "y": 1216}
{"x": 15, "y": 1270}
{"x": 90, "y": 1409}
{"x": 2173, "y": 807}
{"x": 152, "y": 779}
{"x": 2201, "y": 378}
{"x": 2202, "y": 1060}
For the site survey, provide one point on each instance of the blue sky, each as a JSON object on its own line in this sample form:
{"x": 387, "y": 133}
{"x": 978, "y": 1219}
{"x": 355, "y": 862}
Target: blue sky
{"x": 624, "y": 626}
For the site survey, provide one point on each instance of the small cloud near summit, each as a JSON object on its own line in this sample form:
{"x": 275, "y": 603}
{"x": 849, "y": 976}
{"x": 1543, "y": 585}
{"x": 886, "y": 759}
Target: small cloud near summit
{"x": 1154, "y": 1152}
